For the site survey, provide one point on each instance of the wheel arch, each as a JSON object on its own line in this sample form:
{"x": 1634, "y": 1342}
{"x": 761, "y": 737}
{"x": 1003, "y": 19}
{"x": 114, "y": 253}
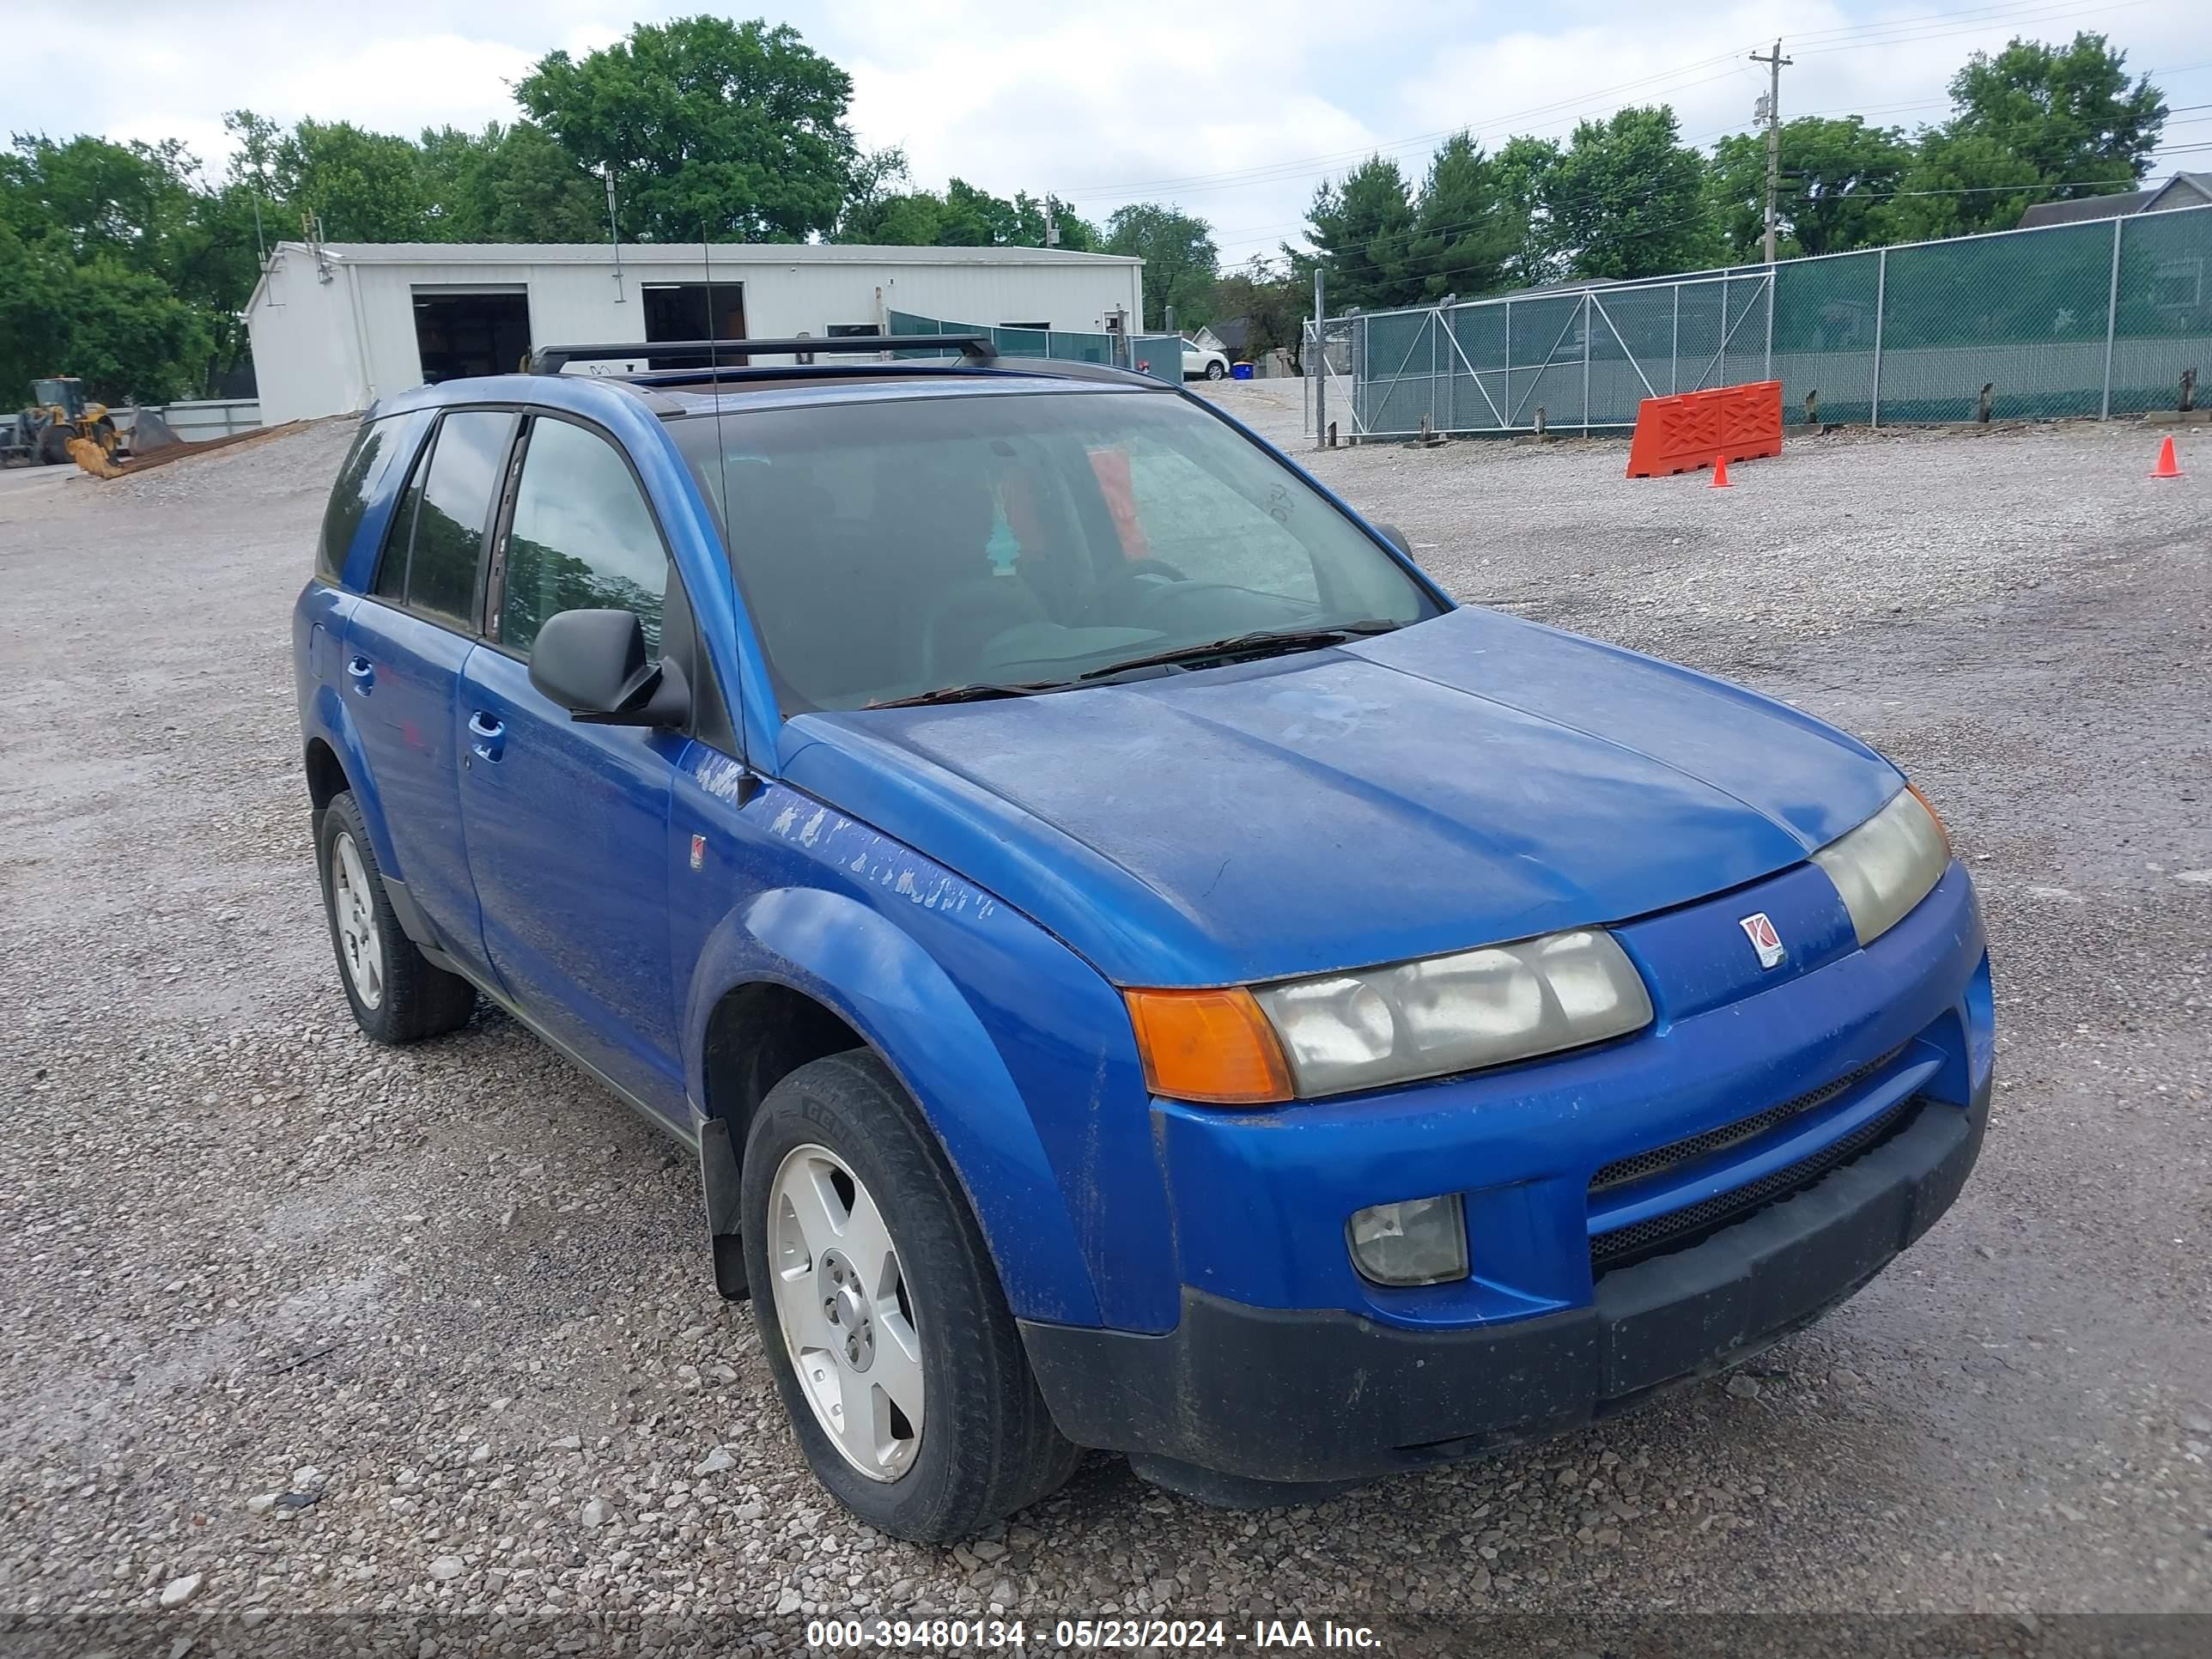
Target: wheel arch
{"x": 801, "y": 973}
{"x": 326, "y": 774}
{"x": 332, "y": 760}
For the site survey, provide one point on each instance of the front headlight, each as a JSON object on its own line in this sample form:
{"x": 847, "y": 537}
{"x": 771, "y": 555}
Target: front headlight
{"x": 1889, "y": 864}
{"x": 1454, "y": 1013}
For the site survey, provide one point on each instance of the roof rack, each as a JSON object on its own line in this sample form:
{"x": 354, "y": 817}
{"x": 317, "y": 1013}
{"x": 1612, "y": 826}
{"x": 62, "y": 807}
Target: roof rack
{"x": 551, "y": 360}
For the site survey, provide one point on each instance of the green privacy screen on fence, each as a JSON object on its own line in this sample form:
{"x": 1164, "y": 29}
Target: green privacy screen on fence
{"x": 2090, "y": 319}
{"x": 1158, "y": 355}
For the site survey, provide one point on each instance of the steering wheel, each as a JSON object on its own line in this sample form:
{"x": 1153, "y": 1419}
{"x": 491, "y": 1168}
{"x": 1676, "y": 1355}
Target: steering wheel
{"x": 968, "y": 616}
{"x": 1119, "y": 588}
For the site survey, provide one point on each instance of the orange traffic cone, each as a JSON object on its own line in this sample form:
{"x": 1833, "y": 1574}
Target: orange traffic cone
{"x": 2166, "y": 467}
{"x": 1720, "y": 473}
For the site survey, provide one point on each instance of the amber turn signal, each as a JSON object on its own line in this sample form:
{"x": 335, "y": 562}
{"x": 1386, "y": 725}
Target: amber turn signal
{"x": 1213, "y": 1047}
{"x": 1942, "y": 828}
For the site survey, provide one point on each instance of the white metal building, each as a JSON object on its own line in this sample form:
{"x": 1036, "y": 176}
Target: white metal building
{"x": 335, "y": 325}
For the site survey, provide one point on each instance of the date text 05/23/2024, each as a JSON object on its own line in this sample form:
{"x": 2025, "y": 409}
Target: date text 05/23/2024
{"x": 1087, "y": 1634}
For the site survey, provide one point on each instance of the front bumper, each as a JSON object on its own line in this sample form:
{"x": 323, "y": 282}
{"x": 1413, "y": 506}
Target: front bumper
{"x": 1324, "y": 1396}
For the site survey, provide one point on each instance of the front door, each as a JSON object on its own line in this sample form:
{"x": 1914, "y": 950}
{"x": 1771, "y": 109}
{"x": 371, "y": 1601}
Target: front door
{"x": 401, "y": 661}
{"x": 566, "y": 823}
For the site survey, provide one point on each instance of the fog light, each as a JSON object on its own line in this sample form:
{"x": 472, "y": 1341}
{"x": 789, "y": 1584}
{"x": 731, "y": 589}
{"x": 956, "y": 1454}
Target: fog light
{"x": 1419, "y": 1240}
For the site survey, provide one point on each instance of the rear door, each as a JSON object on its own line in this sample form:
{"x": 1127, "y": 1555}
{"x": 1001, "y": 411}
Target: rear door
{"x": 566, "y": 823}
{"x": 404, "y": 647}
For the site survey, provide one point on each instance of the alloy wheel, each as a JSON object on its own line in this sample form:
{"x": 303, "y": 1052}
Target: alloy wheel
{"x": 843, "y": 1304}
{"x": 359, "y": 942}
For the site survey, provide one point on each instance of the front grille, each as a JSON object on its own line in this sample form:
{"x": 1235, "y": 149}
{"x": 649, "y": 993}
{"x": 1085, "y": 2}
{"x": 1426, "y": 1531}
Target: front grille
{"x": 1680, "y": 1229}
{"x": 1638, "y": 1165}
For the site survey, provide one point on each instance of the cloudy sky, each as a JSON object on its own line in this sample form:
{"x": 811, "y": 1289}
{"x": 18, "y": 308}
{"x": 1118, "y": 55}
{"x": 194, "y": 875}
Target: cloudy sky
{"x": 1234, "y": 110}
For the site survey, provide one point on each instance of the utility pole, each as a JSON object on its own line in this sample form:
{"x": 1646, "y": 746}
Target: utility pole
{"x": 1317, "y": 365}
{"x": 614, "y": 234}
{"x": 1770, "y": 111}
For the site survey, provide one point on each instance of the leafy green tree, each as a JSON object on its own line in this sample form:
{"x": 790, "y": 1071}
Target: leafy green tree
{"x": 1362, "y": 229}
{"x": 1838, "y": 178}
{"x": 964, "y": 217}
{"x": 124, "y": 331}
{"x": 31, "y": 338}
{"x": 122, "y": 201}
{"x": 1521, "y": 167}
{"x": 1181, "y": 259}
{"x": 1072, "y": 231}
{"x": 511, "y": 184}
{"x": 734, "y": 130}
{"x": 130, "y": 337}
{"x": 358, "y": 186}
{"x": 114, "y": 266}
{"x": 1627, "y": 199}
{"x": 1275, "y": 308}
{"x": 1464, "y": 234}
{"x": 1960, "y": 184}
{"x": 2035, "y": 123}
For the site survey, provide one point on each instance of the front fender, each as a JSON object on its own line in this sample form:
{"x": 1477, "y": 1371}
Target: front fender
{"x": 847, "y": 955}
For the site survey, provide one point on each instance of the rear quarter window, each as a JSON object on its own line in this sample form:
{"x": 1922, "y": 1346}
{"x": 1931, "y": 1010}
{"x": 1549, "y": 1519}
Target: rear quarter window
{"x": 376, "y": 449}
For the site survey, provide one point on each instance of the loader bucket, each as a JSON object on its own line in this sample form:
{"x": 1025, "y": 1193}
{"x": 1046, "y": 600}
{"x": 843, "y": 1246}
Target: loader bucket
{"x": 93, "y": 459}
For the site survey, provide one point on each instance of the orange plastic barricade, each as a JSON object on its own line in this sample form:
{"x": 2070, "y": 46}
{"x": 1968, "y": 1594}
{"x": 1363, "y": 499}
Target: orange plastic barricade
{"x": 1681, "y": 434}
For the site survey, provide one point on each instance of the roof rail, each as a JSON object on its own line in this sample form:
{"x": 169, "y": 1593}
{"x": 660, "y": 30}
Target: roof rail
{"x": 551, "y": 360}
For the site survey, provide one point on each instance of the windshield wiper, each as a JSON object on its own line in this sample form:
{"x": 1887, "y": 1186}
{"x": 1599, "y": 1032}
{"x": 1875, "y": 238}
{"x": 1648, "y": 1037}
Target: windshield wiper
{"x": 975, "y": 691}
{"x": 1265, "y": 642}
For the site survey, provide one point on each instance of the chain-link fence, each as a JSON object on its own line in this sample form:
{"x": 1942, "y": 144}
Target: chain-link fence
{"x": 1158, "y": 355}
{"x": 2100, "y": 318}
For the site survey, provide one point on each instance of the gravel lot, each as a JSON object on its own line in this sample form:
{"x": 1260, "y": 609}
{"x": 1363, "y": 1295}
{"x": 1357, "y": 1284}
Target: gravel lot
{"x": 295, "y": 1323}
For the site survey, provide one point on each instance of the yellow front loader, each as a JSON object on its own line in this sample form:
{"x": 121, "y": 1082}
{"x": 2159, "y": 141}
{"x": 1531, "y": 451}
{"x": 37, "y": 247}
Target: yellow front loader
{"x": 61, "y": 426}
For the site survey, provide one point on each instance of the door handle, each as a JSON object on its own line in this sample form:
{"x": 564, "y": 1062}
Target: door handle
{"x": 363, "y": 673}
{"x": 489, "y": 735}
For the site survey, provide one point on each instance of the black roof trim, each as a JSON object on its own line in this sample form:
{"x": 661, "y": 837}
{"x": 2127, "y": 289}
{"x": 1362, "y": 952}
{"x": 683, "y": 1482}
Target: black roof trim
{"x": 734, "y": 377}
{"x": 552, "y": 359}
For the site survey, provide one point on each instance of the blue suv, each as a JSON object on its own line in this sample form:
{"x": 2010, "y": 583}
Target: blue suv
{"x": 1139, "y": 966}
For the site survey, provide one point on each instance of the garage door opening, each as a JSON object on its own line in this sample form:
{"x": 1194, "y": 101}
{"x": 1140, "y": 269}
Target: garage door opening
{"x": 693, "y": 310}
{"x": 467, "y": 331}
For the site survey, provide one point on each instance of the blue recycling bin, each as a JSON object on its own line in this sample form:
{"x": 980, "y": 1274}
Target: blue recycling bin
{"x": 1241, "y": 372}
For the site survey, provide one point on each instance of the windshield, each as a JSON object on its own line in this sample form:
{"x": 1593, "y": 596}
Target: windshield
{"x": 887, "y": 550}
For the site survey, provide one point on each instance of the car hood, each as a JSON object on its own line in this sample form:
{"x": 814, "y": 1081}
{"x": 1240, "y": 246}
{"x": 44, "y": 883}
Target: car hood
{"x": 1472, "y": 779}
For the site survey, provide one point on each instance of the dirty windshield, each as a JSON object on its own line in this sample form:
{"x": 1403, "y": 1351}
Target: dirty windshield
{"x": 892, "y": 549}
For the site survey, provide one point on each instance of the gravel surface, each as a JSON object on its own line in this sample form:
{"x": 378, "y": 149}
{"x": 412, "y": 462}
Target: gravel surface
{"x": 292, "y": 1322}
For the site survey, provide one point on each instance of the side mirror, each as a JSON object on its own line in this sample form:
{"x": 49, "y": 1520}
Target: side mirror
{"x": 1397, "y": 537}
{"x": 592, "y": 663}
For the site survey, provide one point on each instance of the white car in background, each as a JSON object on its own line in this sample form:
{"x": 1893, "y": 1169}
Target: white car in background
{"x": 1198, "y": 362}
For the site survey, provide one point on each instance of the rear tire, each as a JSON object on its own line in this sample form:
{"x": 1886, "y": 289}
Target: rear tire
{"x": 396, "y": 994}
{"x": 53, "y": 446}
{"x": 984, "y": 1444}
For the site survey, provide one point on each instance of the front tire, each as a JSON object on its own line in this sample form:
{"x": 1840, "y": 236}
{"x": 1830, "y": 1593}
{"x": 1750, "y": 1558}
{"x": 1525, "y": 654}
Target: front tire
{"x": 1216, "y": 372}
{"x": 396, "y": 994}
{"x": 881, "y": 1315}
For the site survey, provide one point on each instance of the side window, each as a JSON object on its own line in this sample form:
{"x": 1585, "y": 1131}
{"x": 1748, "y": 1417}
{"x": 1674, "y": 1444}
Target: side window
{"x": 583, "y": 538}
{"x": 391, "y": 566}
{"x": 375, "y": 449}
{"x": 456, "y": 507}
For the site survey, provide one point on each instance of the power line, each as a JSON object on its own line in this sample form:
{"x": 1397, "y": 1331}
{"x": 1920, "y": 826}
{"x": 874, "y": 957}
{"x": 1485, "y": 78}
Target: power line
{"x": 1257, "y": 234}
{"x": 1275, "y": 172}
{"x": 1628, "y": 234}
{"x": 1906, "y": 36}
{"x": 1882, "y": 33}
